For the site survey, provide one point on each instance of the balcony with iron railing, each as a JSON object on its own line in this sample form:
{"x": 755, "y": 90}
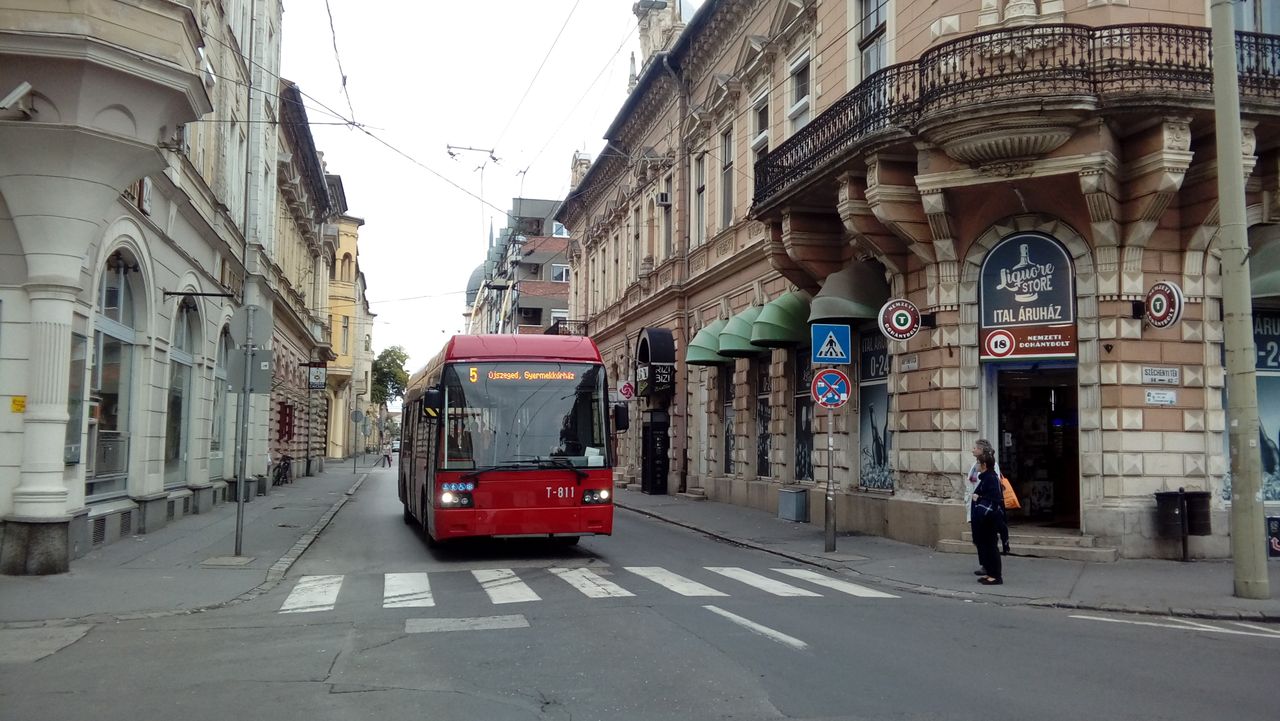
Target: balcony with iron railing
{"x": 567, "y": 327}
{"x": 1112, "y": 68}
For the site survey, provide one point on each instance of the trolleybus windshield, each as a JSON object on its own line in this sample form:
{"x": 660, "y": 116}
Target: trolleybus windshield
{"x": 524, "y": 414}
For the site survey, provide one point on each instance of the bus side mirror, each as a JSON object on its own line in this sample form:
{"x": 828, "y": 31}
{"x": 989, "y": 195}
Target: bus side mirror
{"x": 433, "y": 399}
{"x": 621, "y": 421}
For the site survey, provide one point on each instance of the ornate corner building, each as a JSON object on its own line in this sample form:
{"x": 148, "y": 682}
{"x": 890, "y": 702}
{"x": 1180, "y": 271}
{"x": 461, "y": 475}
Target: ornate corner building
{"x": 136, "y": 245}
{"x": 1023, "y": 171}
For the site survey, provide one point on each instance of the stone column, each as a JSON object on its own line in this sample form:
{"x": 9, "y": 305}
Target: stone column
{"x": 58, "y": 183}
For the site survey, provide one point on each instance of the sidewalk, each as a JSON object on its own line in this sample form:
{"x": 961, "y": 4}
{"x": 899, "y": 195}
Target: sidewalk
{"x": 1200, "y": 589}
{"x": 189, "y": 564}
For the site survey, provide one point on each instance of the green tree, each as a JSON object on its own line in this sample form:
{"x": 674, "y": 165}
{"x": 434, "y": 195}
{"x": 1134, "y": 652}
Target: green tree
{"x": 389, "y": 374}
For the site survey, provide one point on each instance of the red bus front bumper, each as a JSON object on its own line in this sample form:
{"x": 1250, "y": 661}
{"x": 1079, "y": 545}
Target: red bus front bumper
{"x": 593, "y": 520}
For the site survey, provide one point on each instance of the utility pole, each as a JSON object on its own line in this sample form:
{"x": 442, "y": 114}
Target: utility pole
{"x": 242, "y": 463}
{"x": 1248, "y": 550}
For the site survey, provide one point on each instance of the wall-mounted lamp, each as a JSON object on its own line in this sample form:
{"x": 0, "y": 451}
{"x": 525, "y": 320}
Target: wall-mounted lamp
{"x": 1107, "y": 347}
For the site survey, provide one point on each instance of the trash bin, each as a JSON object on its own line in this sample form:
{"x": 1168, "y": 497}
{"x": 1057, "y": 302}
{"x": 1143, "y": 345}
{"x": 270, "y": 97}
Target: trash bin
{"x": 1273, "y": 536}
{"x": 793, "y": 504}
{"x": 1169, "y": 514}
{"x": 1198, "y": 523}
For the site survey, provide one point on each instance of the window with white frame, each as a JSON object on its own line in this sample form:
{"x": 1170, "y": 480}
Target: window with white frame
{"x": 760, "y": 120}
{"x": 699, "y": 200}
{"x": 1258, "y": 16}
{"x": 636, "y": 252}
{"x": 559, "y": 273}
{"x": 872, "y": 36}
{"x": 667, "y": 236}
{"x": 760, "y": 128}
{"x": 800, "y": 86}
{"x": 726, "y": 178}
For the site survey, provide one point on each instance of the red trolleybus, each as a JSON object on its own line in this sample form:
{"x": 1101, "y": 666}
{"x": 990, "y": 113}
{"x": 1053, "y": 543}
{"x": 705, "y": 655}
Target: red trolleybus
{"x": 507, "y": 436}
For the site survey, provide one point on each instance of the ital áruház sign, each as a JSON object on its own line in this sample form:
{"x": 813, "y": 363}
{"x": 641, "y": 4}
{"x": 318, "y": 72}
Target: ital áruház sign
{"x": 1028, "y": 300}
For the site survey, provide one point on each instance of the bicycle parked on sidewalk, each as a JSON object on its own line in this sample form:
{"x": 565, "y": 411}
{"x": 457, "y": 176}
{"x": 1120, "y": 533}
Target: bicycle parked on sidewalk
{"x": 284, "y": 471}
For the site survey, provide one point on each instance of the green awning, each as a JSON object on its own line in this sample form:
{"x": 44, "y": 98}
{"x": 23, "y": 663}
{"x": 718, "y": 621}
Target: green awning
{"x": 735, "y": 339}
{"x": 1264, "y": 261}
{"x": 857, "y": 292}
{"x": 704, "y": 349}
{"x": 783, "y": 322}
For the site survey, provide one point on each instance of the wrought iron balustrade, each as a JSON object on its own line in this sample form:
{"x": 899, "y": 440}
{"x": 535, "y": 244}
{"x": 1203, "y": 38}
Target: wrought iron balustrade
{"x": 1099, "y": 66}
{"x": 566, "y": 327}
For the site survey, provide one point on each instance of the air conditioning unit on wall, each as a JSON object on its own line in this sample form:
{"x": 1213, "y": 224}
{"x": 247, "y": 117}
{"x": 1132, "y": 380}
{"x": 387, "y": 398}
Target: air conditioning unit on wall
{"x": 662, "y": 199}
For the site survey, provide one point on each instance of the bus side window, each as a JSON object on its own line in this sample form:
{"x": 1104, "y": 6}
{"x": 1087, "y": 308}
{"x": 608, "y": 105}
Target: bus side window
{"x": 428, "y": 444}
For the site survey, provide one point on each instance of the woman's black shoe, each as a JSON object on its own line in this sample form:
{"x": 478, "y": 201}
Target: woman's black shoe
{"x": 989, "y": 581}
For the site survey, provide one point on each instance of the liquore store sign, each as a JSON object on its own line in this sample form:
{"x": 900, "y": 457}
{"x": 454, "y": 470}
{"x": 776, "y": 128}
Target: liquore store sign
{"x": 1028, "y": 300}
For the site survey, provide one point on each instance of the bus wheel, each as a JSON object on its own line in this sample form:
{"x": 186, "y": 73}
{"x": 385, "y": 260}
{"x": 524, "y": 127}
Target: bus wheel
{"x": 408, "y": 515}
{"x": 566, "y": 540}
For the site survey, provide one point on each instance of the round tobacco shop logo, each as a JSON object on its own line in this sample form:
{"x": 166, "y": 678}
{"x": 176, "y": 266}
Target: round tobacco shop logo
{"x": 899, "y": 319}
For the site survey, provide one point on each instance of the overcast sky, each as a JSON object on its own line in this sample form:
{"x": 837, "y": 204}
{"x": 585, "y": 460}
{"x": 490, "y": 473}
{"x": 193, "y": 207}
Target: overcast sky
{"x": 425, "y": 75}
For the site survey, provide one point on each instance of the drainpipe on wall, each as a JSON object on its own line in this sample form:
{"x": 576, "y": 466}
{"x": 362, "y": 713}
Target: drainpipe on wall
{"x": 682, "y": 252}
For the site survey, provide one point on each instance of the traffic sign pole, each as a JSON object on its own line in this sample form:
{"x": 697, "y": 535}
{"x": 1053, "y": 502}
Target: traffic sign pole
{"x": 830, "y": 390}
{"x": 829, "y": 523}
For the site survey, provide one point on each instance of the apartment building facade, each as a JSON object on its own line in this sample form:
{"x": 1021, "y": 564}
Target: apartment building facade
{"x": 523, "y": 284}
{"x": 148, "y": 209}
{"x": 1021, "y": 171}
{"x": 351, "y": 325}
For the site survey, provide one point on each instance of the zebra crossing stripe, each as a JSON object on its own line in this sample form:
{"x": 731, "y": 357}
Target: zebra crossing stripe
{"x": 852, "y": 589}
{"x": 674, "y": 581}
{"x": 407, "y": 590}
{"x": 313, "y": 593}
{"x": 764, "y": 583}
{"x": 769, "y": 633}
{"x": 503, "y": 586}
{"x": 590, "y": 583}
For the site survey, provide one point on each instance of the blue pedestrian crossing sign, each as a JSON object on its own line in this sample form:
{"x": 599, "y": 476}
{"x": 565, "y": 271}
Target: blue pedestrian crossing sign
{"x": 832, "y": 344}
{"x": 830, "y": 388}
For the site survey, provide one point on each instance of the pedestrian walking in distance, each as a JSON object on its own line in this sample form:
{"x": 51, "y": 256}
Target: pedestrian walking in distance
{"x": 386, "y": 454}
{"x": 986, "y": 509}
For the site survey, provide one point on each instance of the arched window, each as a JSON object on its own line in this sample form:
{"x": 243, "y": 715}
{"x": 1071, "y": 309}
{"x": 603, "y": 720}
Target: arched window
{"x": 333, "y": 266}
{"x": 178, "y": 409}
{"x": 111, "y": 381}
{"x": 348, "y": 268}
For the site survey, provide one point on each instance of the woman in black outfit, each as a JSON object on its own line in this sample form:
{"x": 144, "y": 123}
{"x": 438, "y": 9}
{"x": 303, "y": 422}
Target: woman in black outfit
{"x": 986, "y": 511}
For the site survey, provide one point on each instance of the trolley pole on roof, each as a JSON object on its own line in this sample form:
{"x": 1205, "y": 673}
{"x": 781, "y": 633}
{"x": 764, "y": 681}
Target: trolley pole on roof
{"x": 1248, "y": 550}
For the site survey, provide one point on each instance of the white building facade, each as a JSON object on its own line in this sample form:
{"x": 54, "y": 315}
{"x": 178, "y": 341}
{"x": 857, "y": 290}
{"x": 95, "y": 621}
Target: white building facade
{"x": 128, "y": 241}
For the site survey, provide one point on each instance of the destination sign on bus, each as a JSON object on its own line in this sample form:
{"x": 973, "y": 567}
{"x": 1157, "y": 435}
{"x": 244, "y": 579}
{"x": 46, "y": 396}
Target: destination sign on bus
{"x": 530, "y": 375}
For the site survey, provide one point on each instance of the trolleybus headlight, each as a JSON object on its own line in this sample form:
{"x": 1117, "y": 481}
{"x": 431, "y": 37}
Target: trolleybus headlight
{"x": 456, "y": 499}
{"x": 595, "y": 497}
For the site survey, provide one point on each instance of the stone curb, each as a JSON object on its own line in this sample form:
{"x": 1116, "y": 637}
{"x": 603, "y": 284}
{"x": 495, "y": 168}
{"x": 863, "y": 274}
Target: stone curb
{"x": 1069, "y": 604}
{"x": 274, "y": 575}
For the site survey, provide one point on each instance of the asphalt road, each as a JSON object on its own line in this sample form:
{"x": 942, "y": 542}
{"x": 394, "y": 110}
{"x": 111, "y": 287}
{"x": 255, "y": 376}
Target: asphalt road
{"x": 655, "y": 622}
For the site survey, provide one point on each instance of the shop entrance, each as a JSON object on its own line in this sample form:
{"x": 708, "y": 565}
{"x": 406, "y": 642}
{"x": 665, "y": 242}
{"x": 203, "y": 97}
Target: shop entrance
{"x": 1037, "y": 443}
